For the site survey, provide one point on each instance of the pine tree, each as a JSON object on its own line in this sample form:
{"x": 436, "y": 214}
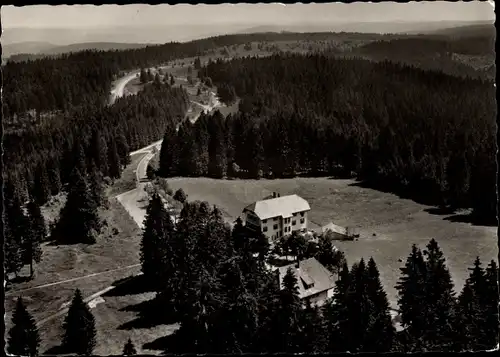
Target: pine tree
{"x": 114, "y": 162}
{"x": 79, "y": 327}
{"x": 16, "y": 224}
{"x": 41, "y": 189}
{"x": 99, "y": 151}
{"x": 129, "y": 348}
{"x": 470, "y": 317}
{"x": 169, "y": 153}
{"x": 122, "y": 148}
{"x": 217, "y": 163}
{"x": 157, "y": 234}
{"x": 256, "y": 164}
{"x": 143, "y": 76}
{"x": 380, "y": 331}
{"x": 24, "y": 339}
{"x": 54, "y": 176}
{"x": 411, "y": 297}
{"x": 37, "y": 235}
{"x": 336, "y": 314}
{"x": 79, "y": 220}
{"x": 286, "y": 321}
{"x": 239, "y": 235}
{"x": 358, "y": 305}
{"x": 78, "y": 158}
{"x": 313, "y": 334}
{"x": 235, "y": 330}
{"x": 490, "y": 301}
{"x": 96, "y": 186}
{"x": 439, "y": 299}
{"x": 12, "y": 253}
{"x": 468, "y": 314}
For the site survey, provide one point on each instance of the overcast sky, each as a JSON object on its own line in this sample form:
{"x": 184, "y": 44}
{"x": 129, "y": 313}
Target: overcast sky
{"x": 90, "y": 16}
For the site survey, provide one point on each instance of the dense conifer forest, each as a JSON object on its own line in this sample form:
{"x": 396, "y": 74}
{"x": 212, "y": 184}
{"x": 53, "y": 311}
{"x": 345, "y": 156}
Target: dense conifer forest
{"x": 420, "y": 133}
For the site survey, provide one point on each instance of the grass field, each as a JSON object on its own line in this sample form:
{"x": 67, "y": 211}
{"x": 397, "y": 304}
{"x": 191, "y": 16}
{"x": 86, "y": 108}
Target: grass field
{"x": 397, "y": 223}
{"x": 60, "y": 263}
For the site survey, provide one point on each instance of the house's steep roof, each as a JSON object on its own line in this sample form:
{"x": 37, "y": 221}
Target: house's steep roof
{"x": 280, "y": 206}
{"x": 310, "y": 271}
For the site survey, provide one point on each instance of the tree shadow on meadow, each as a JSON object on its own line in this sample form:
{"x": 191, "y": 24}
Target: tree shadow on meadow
{"x": 150, "y": 313}
{"x": 132, "y": 285}
{"x": 448, "y": 213}
{"x": 167, "y": 344}
{"x": 57, "y": 350}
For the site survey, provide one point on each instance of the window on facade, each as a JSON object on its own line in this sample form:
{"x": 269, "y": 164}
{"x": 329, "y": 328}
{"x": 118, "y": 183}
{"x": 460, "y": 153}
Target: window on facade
{"x": 275, "y": 226}
{"x": 302, "y": 220}
{"x": 264, "y": 229}
{"x": 294, "y": 214}
{"x": 302, "y": 214}
{"x": 275, "y": 219}
{"x": 294, "y": 223}
{"x": 264, "y": 221}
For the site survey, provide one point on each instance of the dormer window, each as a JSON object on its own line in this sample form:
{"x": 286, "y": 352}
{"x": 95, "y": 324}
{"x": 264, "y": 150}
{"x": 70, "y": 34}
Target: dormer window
{"x": 307, "y": 284}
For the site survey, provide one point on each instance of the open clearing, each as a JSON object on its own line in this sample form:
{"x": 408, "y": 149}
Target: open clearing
{"x": 397, "y": 223}
{"x": 63, "y": 262}
{"x": 115, "y": 323}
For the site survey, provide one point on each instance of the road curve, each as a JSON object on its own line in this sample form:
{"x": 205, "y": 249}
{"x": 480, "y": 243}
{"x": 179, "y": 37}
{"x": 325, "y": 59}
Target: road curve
{"x": 119, "y": 86}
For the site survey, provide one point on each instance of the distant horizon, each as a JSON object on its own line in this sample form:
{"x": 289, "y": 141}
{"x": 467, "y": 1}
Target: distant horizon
{"x": 144, "y": 15}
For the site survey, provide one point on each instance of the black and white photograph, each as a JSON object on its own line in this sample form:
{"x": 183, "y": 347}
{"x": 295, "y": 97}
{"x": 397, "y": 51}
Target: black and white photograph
{"x": 250, "y": 178}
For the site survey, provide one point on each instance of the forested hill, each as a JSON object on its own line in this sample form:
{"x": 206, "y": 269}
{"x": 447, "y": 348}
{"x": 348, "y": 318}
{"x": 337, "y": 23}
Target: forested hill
{"x": 422, "y": 133}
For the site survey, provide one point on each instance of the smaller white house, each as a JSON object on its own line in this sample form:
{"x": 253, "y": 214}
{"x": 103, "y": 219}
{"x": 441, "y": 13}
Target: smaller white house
{"x": 315, "y": 282}
{"x": 277, "y": 216}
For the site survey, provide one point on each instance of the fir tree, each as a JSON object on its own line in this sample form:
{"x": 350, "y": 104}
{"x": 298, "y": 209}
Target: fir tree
{"x": 411, "y": 297}
{"x": 286, "y": 322}
{"x": 96, "y": 186}
{"x": 24, "y": 339}
{"x": 468, "y": 314}
{"x": 129, "y": 348}
{"x": 156, "y": 239}
{"x": 12, "y": 253}
{"x": 313, "y": 334}
{"x": 336, "y": 314}
{"x": 37, "y": 235}
{"x": 239, "y": 235}
{"x": 114, "y": 162}
{"x": 79, "y": 220}
{"x": 490, "y": 301}
{"x": 99, "y": 152}
{"x": 122, "y": 148}
{"x": 79, "y": 327}
{"x": 41, "y": 189}
{"x": 439, "y": 299}
{"x": 235, "y": 330}
{"x": 16, "y": 224}
{"x": 169, "y": 153}
{"x": 380, "y": 331}
{"x": 54, "y": 176}
{"x": 358, "y": 305}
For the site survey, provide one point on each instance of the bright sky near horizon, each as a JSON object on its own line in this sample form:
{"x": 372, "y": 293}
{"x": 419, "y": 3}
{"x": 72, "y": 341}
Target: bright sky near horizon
{"x": 91, "y": 16}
